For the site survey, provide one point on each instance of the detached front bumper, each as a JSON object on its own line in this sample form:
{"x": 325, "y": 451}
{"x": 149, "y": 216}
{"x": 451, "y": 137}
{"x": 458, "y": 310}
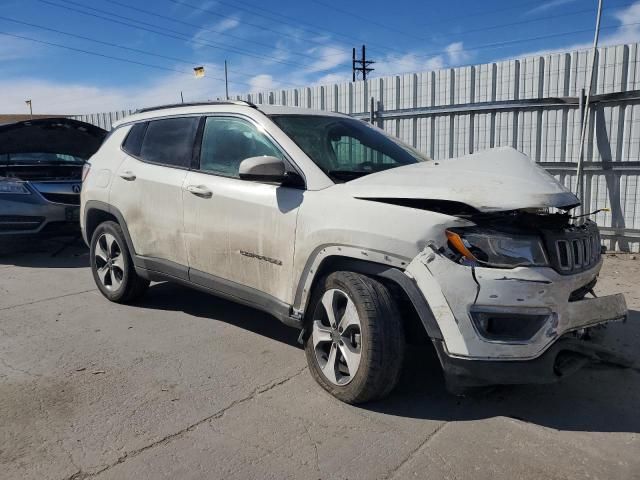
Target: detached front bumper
{"x": 458, "y": 295}
{"x": 566, "y": 355}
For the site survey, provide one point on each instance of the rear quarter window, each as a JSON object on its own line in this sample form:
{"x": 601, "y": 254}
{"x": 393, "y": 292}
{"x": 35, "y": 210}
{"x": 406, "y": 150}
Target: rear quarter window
{"x": 133, "y": 143}
{"x": 170, "y": 141}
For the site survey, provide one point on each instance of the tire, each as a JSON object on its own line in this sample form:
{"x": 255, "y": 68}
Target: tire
{"x": 381, "y": 342}
{"x": 112, "y": 266}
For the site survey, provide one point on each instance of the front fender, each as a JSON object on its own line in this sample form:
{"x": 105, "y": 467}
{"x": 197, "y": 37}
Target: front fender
{"x": 369, "y": 262}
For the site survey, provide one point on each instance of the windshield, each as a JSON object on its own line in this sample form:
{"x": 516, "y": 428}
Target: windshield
{"x": 346, "y": 148}
{"x": 39, "y": 158}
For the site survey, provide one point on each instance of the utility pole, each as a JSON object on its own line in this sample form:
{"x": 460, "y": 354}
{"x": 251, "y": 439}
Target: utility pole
{"x": 226, "y": 80}
{"x": 28, "y": 102}
{"x": 361, "y": 65}
{"x": 585, "y": 103}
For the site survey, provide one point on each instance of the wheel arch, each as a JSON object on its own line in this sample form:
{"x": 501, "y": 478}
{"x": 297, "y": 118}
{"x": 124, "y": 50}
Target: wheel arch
{"x": 96, "y": 212}
{"x": 391, "y": 275}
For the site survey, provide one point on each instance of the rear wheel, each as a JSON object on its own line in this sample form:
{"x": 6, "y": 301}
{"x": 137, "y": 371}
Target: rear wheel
{"x": 112, "y": 266}
{"x": 355, "y": 341}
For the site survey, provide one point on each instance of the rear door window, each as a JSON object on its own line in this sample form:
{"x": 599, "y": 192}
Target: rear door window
{"x": 170, "y": 141}
{"x": 133, "y": 142}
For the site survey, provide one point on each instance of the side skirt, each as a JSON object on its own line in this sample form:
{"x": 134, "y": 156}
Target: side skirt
{"x": 161, "y": 270}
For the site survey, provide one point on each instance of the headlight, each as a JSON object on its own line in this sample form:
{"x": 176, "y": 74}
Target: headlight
{"x": 496, "y": 249}
{"x": 12, "y": 186}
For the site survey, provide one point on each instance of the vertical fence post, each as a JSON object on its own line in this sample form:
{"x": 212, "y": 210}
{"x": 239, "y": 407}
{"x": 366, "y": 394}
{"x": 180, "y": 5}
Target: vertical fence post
{"x": 579, "y": 185}
{"x": 372, "y": 113}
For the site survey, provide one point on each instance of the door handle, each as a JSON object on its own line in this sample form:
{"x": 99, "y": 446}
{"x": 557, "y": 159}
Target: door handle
{"x": 199, "y": 191}
{"x": 128, "y": 175}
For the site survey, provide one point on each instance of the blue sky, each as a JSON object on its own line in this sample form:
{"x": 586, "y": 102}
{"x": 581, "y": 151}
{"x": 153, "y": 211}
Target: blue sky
{"x": 275, "y": 44}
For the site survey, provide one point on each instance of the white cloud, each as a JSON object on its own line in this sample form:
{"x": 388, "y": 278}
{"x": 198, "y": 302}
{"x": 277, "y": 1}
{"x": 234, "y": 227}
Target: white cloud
{"x": 213, "y": 30}
{"x": 64, "y": 98}
{"x": 457, "y": 54}
{"x": 326, "y": 58}
{"x": 627, "y": 32}
{"x": 262, "y": 82}
{"x": 226, "y": 24}
{"x": 453, "y": 54}
{"x": 334, "y": 78}
{"x": 550, "y": 5}
{"x": 629, "y": 29}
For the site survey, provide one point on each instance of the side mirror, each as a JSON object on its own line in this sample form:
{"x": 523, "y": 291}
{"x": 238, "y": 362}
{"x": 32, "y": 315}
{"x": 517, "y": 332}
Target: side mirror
{"x": 266, "y": 169}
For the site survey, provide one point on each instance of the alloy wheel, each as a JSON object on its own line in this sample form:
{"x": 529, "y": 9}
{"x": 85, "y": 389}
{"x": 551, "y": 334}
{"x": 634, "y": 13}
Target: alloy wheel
{"x": 109, "y": 261}
{"x": 337, "y": 337}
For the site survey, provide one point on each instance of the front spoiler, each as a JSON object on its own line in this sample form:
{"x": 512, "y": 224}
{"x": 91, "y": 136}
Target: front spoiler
{"x": 565, "y": 356}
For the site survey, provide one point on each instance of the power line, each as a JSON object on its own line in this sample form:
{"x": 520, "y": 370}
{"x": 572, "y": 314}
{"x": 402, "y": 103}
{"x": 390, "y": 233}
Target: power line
{"x": 253, "y": 7}
{"x": 370, "y": 21}
{"x": 95, "y": 53}
{"x": 481, "y": 13}
{"x": 540, "y": 19}
{"x": 498, "y": 45}
{"x": 466, "y": 32}
{"x": 194, "y": 25}
{"x": 123, "y": 47}
{"x": 277, "y": 16}
{"x": 524, "y": 40}
{"x": 174, "y": 33}
{"x": 82, "y": 37}
{"x": 457, "y": 17}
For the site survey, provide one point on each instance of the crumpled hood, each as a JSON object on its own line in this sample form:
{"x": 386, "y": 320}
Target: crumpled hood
{"x": 492, "y": 180}
{"x": 51, "y": 135}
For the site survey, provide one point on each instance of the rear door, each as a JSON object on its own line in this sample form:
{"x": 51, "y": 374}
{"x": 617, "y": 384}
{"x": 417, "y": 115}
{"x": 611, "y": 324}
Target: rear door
{"x": 239, "y": 233}
{"x": 148, "y": 190}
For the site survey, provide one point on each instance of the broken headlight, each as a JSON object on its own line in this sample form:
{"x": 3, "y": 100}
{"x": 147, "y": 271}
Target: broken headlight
{"x": 492, "y": 248}
{"x": 12, "y": 186}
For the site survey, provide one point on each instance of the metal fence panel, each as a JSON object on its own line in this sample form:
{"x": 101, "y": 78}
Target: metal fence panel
{"x": 455, "y": 111}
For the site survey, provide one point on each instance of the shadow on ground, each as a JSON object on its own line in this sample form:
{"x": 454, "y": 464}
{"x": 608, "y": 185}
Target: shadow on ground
{"x": 598, "y": 398}
{"x": 171, "y": 297}
{"x": 68, "y": 251}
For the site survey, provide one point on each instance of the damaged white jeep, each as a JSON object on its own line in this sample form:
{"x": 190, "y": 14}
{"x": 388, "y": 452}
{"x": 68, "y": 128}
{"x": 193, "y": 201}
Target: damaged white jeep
{"x": 341, "y": 230}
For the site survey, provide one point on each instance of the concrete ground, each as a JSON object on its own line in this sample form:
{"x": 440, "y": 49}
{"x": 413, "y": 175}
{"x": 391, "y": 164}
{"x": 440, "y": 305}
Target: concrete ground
{"x": 184, "y": 385}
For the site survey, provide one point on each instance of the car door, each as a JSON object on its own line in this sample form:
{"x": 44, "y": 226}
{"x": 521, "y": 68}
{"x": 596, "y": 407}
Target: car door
{"x": 239, "y": 234}
{"x": 147, "y": 190}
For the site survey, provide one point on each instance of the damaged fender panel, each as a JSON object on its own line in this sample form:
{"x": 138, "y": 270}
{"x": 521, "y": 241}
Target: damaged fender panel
{"x": 449, "y": 290}
{"x": 452, "y": 290}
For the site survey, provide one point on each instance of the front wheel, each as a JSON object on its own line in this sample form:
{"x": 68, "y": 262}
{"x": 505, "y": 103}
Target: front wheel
{"x": 112, "y": 266}
{"x": 355, "y": 340}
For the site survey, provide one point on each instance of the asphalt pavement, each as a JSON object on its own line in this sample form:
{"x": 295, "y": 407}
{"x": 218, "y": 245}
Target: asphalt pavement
{"x": 185, "y": 385}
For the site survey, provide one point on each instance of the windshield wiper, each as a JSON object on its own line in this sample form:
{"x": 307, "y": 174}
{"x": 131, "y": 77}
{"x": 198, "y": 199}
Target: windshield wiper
{"x": 347, "y": 175}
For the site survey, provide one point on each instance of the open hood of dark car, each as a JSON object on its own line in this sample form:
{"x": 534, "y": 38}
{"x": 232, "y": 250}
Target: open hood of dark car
{"x": 51, "y": 135}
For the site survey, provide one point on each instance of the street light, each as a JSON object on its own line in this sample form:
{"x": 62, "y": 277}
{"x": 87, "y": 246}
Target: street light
{"x": 28, "y": 102}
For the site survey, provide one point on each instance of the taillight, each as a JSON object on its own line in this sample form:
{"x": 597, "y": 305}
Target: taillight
{"x": 85, "y": 170}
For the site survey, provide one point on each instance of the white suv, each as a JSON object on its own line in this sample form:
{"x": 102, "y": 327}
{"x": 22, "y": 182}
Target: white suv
{"x": 343, "y": 231}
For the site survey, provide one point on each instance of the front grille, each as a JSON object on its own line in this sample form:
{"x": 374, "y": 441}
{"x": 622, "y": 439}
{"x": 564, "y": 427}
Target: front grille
{"x": 574, "y": 249}
{"x": 66, "y": 198}
{"x": 10, "y": 223}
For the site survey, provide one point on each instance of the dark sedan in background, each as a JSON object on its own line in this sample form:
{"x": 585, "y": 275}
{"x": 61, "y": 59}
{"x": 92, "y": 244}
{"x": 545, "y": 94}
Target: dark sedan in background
{"x": 41, "y": 164}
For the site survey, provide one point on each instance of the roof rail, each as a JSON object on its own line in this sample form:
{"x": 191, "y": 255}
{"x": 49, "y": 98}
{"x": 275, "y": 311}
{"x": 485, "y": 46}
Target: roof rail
{"x": 195, "y": 104}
